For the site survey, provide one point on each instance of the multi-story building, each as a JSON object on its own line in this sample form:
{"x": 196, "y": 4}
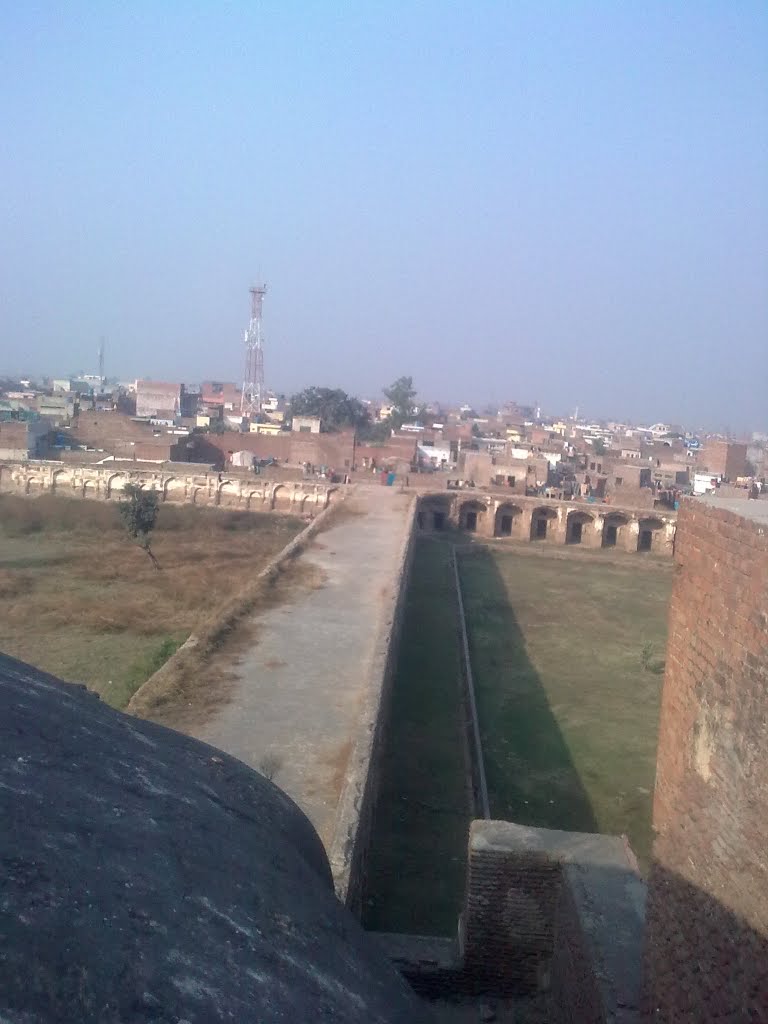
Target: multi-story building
{"x": 724, "y": 459}
{"x": 158, "y": 400}
{"x": 21, "y": 439}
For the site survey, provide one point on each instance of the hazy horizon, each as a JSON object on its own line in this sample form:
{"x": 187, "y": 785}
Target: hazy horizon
{"x": 564, "y": 204}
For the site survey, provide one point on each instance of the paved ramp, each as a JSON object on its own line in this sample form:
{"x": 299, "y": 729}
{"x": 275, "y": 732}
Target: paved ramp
{"x": 300, "y": 681}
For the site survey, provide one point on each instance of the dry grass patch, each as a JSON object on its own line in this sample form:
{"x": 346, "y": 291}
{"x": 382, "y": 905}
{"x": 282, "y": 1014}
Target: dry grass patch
{"x": 78, "y": 599}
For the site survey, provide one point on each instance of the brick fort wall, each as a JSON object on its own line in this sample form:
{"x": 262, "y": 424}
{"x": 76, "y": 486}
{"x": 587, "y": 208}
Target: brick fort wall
{"x": 706, "y": 954}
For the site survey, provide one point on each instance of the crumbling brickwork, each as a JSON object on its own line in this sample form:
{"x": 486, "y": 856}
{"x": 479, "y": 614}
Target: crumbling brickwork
{"x": 509, "y": 914}
{"x": 556, "y": 912}
{"x": 707, "y": 937}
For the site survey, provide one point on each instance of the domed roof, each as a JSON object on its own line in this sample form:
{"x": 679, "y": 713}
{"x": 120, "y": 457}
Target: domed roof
{"x": 145, "y": 876}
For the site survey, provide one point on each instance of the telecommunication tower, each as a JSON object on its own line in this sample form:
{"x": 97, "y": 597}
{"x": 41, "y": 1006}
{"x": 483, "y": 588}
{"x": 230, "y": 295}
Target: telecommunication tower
{"x": 253, "y": 379}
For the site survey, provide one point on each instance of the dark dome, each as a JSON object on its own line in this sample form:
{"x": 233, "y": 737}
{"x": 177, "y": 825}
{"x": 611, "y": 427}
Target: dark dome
{"x": 145, "y": 876}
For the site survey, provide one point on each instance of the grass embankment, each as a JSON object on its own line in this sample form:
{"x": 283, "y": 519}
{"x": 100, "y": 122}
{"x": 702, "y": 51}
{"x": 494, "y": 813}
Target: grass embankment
{"x": 418, "y": 848}
{"x": 78, "y": 599}
{"x": 566, "y": 654}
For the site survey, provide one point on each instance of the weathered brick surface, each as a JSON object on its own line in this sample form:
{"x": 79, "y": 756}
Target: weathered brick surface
{"x": 509, "y": 918}
{"x": 554, "y": 911}
{"x": 706, "y": 956}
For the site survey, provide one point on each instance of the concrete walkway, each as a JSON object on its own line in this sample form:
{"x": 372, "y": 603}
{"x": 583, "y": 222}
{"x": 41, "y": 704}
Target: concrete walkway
{"x": 299, "y": 684}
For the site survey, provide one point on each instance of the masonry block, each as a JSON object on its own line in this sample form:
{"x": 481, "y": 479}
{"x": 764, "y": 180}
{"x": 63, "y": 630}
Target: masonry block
{"x": 554, "y": 911}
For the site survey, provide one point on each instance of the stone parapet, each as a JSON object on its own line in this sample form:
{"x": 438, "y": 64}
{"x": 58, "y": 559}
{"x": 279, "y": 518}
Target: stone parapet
{"x": 182, "y": 483}
{"x": 348, "y": 852}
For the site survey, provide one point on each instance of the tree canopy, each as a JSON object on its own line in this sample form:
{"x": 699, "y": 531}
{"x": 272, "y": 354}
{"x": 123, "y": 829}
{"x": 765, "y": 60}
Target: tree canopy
{"x": 333, "y": 406}
{"x": 401, "y": 395}
{"x": 338, "y": 410}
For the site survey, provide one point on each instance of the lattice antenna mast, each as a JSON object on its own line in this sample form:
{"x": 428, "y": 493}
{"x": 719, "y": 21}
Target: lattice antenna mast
{"x": 101, "y": 360}
{"x": 253, "y": 378}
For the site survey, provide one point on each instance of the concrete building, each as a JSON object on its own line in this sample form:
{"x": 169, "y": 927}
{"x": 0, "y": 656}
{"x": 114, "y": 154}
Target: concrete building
{"x": 435, "y": 455}
{"x": 224, "y": 394}
{"x": 59, "y": 407}
{"x": 158, "y": 400}
{"x": 241, "y": 460}
{"x": 306, "y": 424}
{"x": 628, "y": 475}
{"x": 21, "y": 440}
{"x": 270, "y": 429}
{"x": 704, "y": 483}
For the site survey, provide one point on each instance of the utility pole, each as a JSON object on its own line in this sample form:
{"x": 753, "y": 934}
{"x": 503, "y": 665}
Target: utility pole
{"x": 253, "y": 378}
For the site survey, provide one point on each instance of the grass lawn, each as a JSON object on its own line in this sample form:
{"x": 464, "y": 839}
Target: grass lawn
{"x": 418, "y": 848}
{"x": 80, "y": 600}
{"x": 567, "y": 657}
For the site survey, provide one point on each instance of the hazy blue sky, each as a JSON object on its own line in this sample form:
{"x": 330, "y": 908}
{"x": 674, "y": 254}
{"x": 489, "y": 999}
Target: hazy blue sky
{"x": 557, "y": 201}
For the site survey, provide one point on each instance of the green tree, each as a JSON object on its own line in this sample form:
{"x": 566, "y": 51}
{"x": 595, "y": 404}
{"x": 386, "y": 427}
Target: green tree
{"x": 375, "y": 433}
{"x": 139, "y": 510}
{"x": 333, "y": 406}
{"x": 599, "y": 447}
{"x": 401, "y": 396}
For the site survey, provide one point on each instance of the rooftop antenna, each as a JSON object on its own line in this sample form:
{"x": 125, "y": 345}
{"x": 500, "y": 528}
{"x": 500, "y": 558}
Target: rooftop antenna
{"x": 252, "y": 394}
{"x": 101, "y": 360}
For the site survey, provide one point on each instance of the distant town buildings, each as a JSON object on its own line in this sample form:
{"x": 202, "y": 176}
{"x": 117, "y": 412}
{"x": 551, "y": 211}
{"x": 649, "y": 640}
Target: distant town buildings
{"x": 88, "y": 419}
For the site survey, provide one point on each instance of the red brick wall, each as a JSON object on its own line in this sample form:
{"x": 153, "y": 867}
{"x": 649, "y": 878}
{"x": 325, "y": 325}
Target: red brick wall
{"x": 509, "y": 915}
{"x": 334, "y": 450}
{"x": 724, "y": 458}
{"x": 14, "y": 438}
{"x": 320, "y": 449}
{"x": 105, "y": 429}
{"x": 632, "y": 497}
{"x": 736, "y": 461}
{"x": 707, "y": 937}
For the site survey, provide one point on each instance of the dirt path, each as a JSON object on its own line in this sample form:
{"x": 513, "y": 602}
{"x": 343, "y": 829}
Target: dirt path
{"x": 297, "y": 672}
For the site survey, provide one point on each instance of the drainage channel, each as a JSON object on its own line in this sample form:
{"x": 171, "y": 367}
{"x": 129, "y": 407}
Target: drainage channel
{"x": 416, "y": 870}
{"x": 474, "y": 741}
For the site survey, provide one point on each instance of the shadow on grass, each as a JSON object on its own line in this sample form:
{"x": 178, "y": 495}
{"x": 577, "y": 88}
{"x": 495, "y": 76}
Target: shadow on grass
{"x": 417, "y": 860}
{"x": 532, "y": 779}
